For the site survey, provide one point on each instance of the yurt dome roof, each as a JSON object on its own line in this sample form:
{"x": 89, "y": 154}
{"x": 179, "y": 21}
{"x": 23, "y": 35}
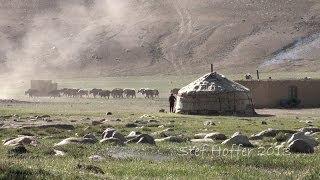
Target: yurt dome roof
{"x": 212, "y": 83}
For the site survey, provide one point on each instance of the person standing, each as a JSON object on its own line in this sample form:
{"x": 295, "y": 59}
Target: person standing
{"x": 172, "y": 100}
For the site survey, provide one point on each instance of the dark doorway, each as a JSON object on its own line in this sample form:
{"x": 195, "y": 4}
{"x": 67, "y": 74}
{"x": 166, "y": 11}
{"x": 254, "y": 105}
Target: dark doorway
{"x": 293, "y": 92}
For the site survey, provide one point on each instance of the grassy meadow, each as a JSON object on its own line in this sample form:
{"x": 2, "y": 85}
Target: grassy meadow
{"x": 166, "y": 160}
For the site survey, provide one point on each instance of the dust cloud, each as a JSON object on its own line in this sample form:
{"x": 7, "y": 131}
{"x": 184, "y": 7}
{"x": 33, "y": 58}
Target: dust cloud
{"x": 55, "y": 35}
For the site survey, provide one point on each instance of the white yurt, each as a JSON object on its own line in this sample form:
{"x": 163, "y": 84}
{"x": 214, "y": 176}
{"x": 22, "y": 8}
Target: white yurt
{"x": 214, "y": 94}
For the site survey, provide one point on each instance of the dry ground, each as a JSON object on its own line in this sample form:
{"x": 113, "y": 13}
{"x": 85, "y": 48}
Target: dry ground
{"x": 155, "y": 37}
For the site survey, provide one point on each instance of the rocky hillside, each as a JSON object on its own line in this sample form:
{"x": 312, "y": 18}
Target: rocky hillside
{"x": 139, "y": 37}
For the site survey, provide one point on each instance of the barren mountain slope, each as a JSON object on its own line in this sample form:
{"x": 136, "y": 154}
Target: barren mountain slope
{"x": 138, "y": 37}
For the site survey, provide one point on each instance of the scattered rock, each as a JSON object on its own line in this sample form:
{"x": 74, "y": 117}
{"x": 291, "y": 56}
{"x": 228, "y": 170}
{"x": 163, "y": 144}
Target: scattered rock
{"x": 74, "y": 140}
{"x": 300, "y": 146}
{"x": 46, "y": 126}
{"x": 270, "y": 133}
{"x": 109, "y": 113}
{"x": 131, "y": 125}
{"x": 238, "y": 139}
{"x": 310, "y": 129}
{"x": 59, "y": 153}
{"x": 280, "y": 137}
{"x": 200, "y": 135}
{"x": 302, "y": 136}
{"x": 202, "y": 140}
{"x": 162, "y": 111}
{"x": 216, "y": 136}
{"x": 164, "y": 133}
{"x": 153, "y": 121}
{"x": 108, "y": 133}
{"x": 174, "y": 139}
{"x": 140, "y": 122}
{"x": 133, "y": 134}
{"x": 153, "y": 125}
{"x": 23, "y": 140}
{"x": 96, "y": 158}
{"x": 20, "y": 149}
{"x": 118, "y": 120}
{"x": 118, "y": 136}
{"x": 90, "y": 136}
{"x": 112, "y": 140}
{"x": 209, "y": 123}
{"x": 142, "y": 138}
{"x": 146, "y": 116}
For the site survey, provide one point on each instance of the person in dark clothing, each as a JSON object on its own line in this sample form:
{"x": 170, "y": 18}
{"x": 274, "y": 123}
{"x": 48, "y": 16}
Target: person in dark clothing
{"x": 172, "y": 100}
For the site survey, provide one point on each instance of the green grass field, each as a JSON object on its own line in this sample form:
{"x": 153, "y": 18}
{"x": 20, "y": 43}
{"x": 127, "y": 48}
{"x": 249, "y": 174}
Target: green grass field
{"x": 166, "y": 160}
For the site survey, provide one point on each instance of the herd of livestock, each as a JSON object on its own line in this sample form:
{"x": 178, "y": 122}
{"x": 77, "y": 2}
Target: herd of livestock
{"x": 81, "y": 93}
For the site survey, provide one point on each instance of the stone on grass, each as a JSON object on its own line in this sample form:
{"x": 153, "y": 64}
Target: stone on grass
{"x": 200, "y": 135}
{"x": 153, "y": 121}
{"x": 202, "y": 140}
{"x": 209, "y": 123}
{"x": 108, "y": 133}
{"x": 238, "y": 139}
{"x": 174, "y": 139}
{"x": 74, "y": 140}
{"x": 216, "y": 136}
{"x": 131, "y": 125}
{"x": 59, "y": 153}
{"x": 23, "y": 140}
{"x": 46, "y": 126}
{"x": 164, "y": 133}
{"x": 270, "y": 133}
{"x": 300, "y": 146}
{"x": 90, "y": 136}
{"x": 112, "y": 140}
{"x": 96, "y": 158}
{"x": 118, "y": 136}
{"x": 310, "y": 129}
{"x": 142, "y": 138}
{"x": 133, "y": 134}
{"x": 302, "y": 136}
{"x": 16, "y": 150}
{"x": 109, "y": 113}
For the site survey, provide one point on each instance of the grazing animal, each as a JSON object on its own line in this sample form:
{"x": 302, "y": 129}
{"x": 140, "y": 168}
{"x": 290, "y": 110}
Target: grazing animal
{"x": 32, "y": 93}
{"x": 95, "y": 92}
{"x": 150, "y": 93}
{"x": 55, "y": 93}
{"x": 129, "y": 93}
{"x": 175, "y": 91}
{"x": 117, "y": 93}
{"x": 82, "y": 93}
{"x": 64, "y": 91}
{"x": 72, "y": 92}
{"x": 105, "y": 94}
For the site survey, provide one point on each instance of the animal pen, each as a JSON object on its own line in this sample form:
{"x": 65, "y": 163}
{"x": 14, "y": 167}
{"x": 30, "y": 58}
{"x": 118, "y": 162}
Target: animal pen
{"x": 214, "y": 94}
{"x": 272, "y": 93}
